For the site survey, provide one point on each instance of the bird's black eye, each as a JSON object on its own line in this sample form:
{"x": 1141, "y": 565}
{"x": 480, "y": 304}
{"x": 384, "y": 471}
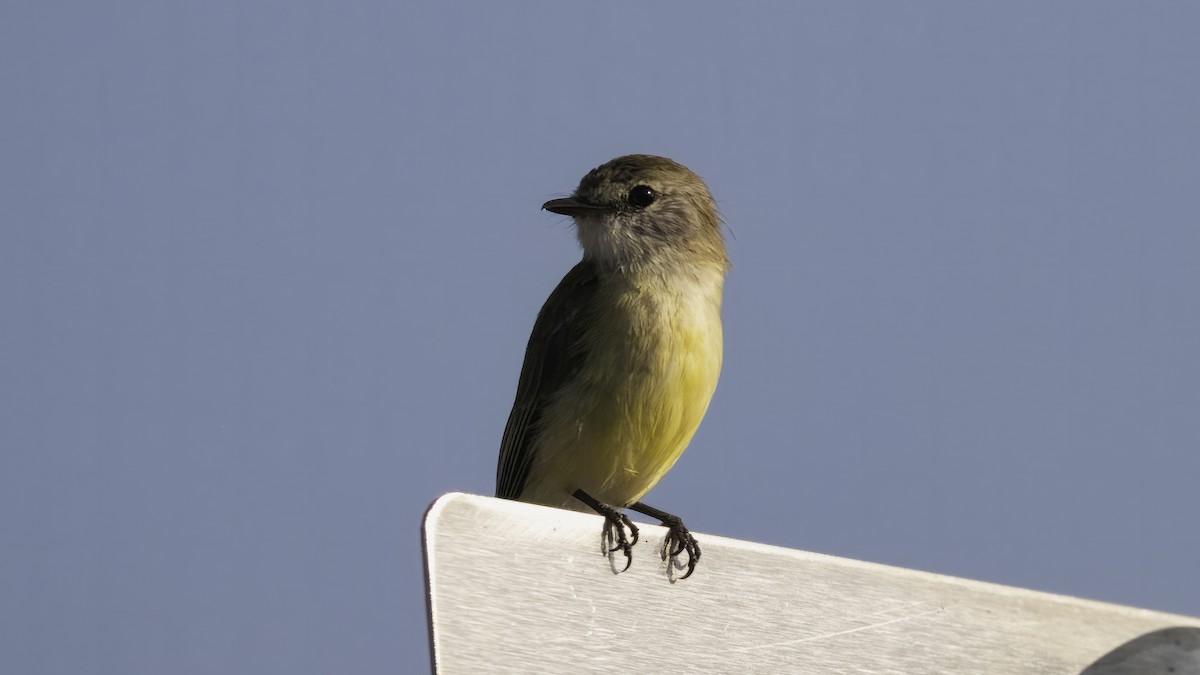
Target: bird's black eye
{"x": 641, "y": 196}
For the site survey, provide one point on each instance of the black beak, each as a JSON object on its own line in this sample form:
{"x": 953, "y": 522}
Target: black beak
{"x": 569, "y": 206}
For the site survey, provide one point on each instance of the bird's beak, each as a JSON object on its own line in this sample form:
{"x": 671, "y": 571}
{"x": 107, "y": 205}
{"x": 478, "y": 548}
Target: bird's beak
{"x": 569, "y": 206}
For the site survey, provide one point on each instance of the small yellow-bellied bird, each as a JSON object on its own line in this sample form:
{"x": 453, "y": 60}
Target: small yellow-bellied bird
{"x": 625, "y": 354}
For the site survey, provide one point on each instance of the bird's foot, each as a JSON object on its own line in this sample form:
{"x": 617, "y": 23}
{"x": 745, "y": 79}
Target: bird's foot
{"x": 619, "y": 533}
{"x": 680, "y": 540}
{"x": 614, "y": 538}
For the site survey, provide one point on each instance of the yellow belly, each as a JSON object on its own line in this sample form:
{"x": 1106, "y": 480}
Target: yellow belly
{"x": 651, "y": 370}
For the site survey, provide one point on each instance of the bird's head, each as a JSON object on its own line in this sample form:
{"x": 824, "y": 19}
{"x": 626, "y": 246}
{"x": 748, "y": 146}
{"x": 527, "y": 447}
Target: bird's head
{"x": 642, "y": 211}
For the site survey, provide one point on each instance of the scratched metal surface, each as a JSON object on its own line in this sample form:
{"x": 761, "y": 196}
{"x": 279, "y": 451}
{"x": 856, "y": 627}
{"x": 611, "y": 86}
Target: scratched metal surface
{"x": 516, "y": 588}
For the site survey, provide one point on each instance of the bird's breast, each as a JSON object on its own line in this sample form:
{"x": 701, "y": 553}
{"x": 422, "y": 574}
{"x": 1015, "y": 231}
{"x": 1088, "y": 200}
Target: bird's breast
{"x": 653, "y": 359}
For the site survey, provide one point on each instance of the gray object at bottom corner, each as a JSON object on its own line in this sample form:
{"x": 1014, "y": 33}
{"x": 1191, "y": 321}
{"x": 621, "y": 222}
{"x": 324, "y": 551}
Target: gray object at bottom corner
{"x": 518, "y": 588}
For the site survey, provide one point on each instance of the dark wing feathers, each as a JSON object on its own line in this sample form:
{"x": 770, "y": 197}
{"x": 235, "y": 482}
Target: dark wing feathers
{"x": 552, "y": 357}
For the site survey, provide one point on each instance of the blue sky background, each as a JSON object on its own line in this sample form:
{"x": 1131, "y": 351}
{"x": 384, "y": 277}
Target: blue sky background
{"x": 267, "y": 270}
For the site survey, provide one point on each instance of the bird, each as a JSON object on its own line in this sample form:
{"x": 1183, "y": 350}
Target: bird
{"x": 625, "y": 354}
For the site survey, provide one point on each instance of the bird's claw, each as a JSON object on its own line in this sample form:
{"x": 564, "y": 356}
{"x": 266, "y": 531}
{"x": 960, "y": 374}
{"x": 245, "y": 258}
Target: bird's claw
{"x": 677, "y": 541}
{"x": 614, "y": 538}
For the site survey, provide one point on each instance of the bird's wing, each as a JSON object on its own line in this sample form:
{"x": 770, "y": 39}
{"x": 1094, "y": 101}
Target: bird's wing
{"x": 554, "y": 354}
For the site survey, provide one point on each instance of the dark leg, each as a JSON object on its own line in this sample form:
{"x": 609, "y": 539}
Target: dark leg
{"x": 678, "y": 538}
{"x": 613, "y": 538}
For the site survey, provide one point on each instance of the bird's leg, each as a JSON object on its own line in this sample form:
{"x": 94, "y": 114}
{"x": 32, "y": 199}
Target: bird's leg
{"x": 613, "y": 538}
{"x": 678, "y": 538}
